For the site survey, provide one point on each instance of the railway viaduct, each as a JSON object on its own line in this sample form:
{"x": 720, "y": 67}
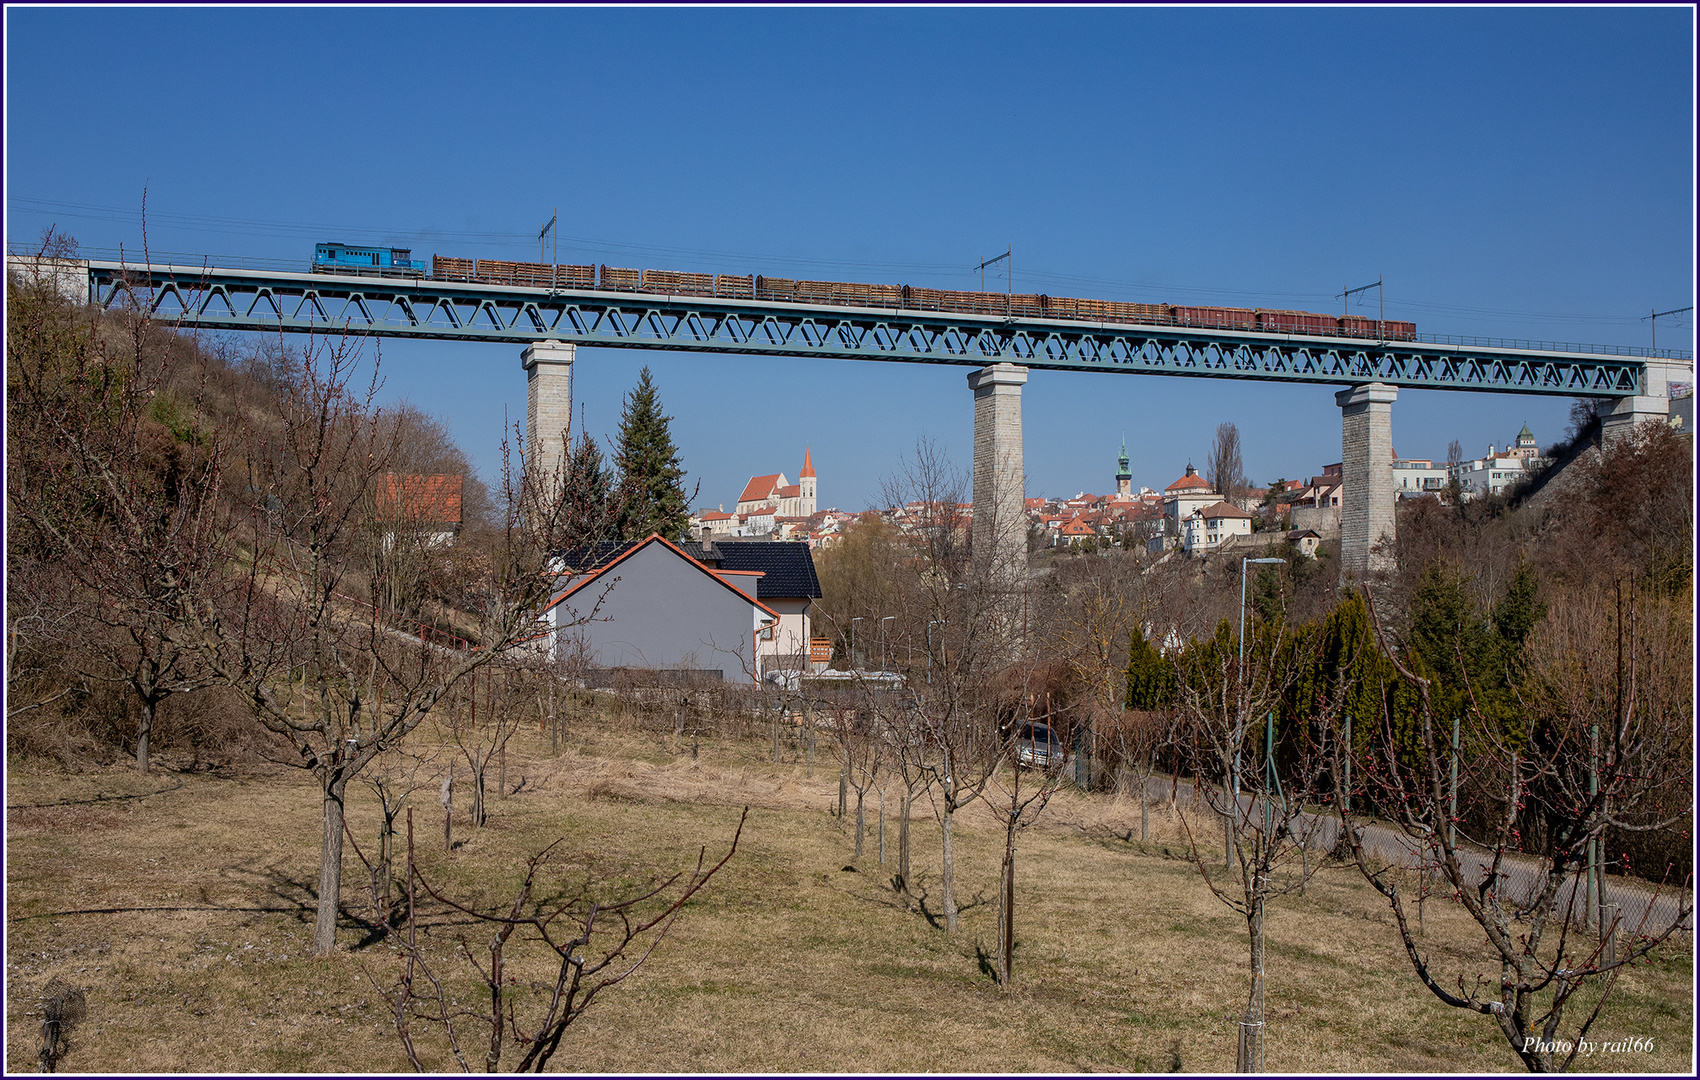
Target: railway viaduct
{"x": 548, "y": 325}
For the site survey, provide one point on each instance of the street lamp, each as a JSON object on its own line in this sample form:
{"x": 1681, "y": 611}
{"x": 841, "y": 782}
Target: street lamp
{"x": 930, "y": 661}
{"x": 888, "y": 618}
{"x": 1239, "y": 712}
{"x": 854, "y": 641}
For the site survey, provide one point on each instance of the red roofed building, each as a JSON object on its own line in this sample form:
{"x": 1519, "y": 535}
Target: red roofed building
{"x": 1075, "y": 529}
{"x": 787, "y": 499}
{"x": 1180, "y": 499}
{"x": 427, "y": 504}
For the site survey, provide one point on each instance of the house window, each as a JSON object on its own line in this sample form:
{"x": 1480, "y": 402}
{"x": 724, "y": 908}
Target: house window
{"x": 767, "y": 633}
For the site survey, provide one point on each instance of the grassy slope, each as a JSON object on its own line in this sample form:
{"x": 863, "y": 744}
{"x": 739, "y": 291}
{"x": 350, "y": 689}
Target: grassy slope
{"x": 788, "y": 962}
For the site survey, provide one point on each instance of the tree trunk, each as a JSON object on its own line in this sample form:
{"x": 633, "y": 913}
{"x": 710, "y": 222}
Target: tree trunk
{"x": 1145, "y": 801}
{"x": 478, "y": 794}
{"x": 1006, "y": 910}
{"x": 861, "y": 824}
{"x": 949, "y": 870}
{"x": 1251, "y": 1044}
{"x": 144, "y": 729}
{"x": 903, "y": 847}
{"x": 386, "y": 857}
{"x": 330, "y": 866}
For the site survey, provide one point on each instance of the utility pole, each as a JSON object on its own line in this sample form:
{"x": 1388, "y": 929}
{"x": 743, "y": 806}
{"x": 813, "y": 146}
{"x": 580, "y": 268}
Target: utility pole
{"x": 554, "y": 270}
{"x": 1008, "y": 264}
{"x": 1654, "y": 319}
{"x": 1376, "y": 285}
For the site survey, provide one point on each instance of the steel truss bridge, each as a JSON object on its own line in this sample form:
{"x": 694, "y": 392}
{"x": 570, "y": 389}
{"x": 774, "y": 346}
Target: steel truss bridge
{"x": 334, "y": 306}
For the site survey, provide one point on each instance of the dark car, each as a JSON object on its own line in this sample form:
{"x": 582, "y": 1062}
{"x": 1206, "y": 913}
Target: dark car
{"x": 1038, "y": 747}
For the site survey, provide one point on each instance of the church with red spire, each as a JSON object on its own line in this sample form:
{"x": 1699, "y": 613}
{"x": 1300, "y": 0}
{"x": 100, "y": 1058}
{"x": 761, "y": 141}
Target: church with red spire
{"x": 778, "y": 497}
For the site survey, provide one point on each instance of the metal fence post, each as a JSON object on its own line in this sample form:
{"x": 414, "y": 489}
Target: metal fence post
{"x": 1608, "y": 930}
{"x": 1452, "y": 812}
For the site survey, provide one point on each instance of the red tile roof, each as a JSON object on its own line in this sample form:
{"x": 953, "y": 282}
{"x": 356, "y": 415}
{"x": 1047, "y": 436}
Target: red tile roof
{"x": 760, "y": 487}
{"x": 421, "y": 498}
{"x": 808, "y": 465}
{"x": 1187, "y": 483}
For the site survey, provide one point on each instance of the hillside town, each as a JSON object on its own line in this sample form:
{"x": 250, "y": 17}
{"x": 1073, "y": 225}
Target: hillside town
{"x": 1188, "y": 515}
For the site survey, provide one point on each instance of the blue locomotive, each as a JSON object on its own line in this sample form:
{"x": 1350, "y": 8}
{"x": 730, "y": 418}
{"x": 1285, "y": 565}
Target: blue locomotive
{"x": 379, "y": 261}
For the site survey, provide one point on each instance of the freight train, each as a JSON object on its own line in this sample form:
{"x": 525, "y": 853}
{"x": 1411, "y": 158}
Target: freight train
{"x": 333, "y": 258}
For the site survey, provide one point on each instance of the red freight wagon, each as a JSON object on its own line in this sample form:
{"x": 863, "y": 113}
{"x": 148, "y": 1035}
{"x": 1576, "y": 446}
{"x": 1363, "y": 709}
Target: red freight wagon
{"x": 1217, "y": 317}
{"x": 1380, "y": 329}
{"x": 1296, "y": 322}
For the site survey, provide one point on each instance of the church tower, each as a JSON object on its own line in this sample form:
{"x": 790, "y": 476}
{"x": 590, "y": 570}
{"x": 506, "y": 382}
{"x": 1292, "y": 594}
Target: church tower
{"x": 1124, "y": 478}
{"x": 806, "y": 484}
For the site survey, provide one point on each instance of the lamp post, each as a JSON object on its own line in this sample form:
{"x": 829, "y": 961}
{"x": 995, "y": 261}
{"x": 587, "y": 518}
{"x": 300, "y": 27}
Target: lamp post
{"x": 1239, "y": 711}
{"x": 888, "y": 618}
{"x": 854, "y": 641}
{"x": 930, "y": 625}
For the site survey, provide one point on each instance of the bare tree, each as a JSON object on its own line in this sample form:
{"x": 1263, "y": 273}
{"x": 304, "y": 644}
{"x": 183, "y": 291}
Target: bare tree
{"x": 590, "y": 947}
{"x": 114, "y": 480}
{"x": 1227, "y": 706}
{"x": 1136, "y": 737}
{"x": 1017, "y": 797}
{"x": 1593, "y": 752}
{"x": 1224, "y": 468}
{"x": 482, "y": 715}
{"x": 306, "y": 653}
{"x": 394, "y": 778}
{"x": 853, "y": 720}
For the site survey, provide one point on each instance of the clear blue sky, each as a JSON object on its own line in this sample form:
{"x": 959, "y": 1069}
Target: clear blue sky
{"x": 1510, "y": 172}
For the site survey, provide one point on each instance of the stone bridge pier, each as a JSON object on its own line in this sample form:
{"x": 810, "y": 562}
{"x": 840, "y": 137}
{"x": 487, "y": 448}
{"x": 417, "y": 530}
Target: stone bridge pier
{"x": 1366, "y": 473}
{"x": 1000, "y": 475}
{"x": 548, "y": 405}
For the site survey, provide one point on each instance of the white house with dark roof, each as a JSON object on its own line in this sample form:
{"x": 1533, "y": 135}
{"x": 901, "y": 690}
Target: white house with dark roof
{"x": 787, "y": 586}
{"x": 652, "y": 606}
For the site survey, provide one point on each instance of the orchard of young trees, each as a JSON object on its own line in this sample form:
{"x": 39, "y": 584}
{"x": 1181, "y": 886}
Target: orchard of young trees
{"x": 1509, "y": 716}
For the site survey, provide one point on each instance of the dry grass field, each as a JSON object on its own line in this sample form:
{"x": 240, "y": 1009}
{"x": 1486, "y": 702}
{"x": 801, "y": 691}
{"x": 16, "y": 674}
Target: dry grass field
{"x": 182, "y": 903}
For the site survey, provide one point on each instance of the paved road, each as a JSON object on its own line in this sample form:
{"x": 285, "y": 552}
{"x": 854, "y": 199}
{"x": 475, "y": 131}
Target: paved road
{"x": 1643, "y": 907}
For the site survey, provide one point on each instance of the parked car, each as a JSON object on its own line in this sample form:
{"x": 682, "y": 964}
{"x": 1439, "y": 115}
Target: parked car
{"x": 1038, "y": 747}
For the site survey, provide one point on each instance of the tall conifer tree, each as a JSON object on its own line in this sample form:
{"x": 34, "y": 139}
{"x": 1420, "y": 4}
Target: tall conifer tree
{"x": 652, "y": 493}
{"x": 589, "y": 490}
